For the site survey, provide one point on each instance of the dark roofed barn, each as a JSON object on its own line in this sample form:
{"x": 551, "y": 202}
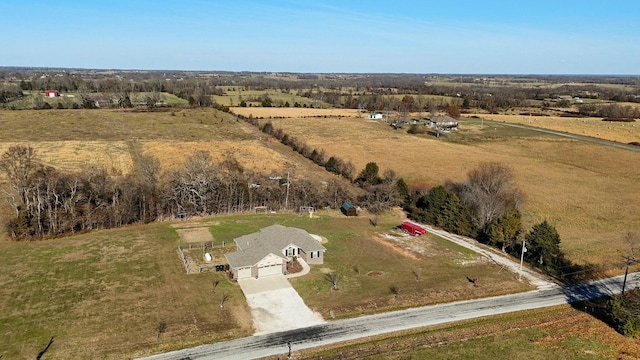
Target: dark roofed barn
{"x": 348, "y": 209}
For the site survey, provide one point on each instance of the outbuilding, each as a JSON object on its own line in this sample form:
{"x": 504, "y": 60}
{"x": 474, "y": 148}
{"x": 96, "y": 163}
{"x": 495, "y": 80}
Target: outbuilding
{"x": 412, "y": 229}
{"x": 51, "y": 93}
{"x": 348, "y": 209}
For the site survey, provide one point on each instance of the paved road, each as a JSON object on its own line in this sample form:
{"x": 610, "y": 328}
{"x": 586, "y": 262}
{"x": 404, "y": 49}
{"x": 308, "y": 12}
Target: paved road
{"x": 350, "y": 329}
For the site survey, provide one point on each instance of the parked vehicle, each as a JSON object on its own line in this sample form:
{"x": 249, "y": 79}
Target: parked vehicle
{"x": 412, "y": 229}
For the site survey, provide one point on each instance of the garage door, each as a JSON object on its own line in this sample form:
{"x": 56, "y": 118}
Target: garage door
{"x": 244, "y": 273}
{"x": 268, "y": 270}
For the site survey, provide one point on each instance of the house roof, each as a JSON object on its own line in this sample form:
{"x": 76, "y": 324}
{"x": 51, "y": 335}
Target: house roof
{"x": 346, "y": 205}
{"x": 270, "y": 240}
{"x": 443, "y": 119}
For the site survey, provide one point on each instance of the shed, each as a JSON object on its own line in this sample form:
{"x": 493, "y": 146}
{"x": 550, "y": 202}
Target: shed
{"x": 348, "y": 209}
{"x": 51, "y": 93}
{"x": 376, "y": 116}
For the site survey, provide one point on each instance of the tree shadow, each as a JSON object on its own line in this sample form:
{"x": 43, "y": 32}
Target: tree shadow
{"x": 41, "y": 353}
{"x": 593, "y": 298}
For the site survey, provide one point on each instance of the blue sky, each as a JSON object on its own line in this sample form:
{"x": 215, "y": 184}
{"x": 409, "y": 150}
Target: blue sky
{"x": 488, "y": 37}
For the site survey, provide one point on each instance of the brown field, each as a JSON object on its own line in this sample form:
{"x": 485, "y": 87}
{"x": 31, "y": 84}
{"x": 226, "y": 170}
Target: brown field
{"x": 594, "y": 127}
{"x": 260, "y": 112}
{"x": 589, "y": 192}
{"x": 132, "y": 277}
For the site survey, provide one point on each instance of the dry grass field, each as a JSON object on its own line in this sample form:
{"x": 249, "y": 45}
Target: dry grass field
{"x": 593, "y": 127}
{"x": 589, "y": 192}
{"x": 103, "y": 294}
{"x": 267, "y": 113}
{"x": 73, "y": 139}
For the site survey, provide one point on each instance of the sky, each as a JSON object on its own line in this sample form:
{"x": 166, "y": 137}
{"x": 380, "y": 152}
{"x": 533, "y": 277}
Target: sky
{"x": 348, "y": 36}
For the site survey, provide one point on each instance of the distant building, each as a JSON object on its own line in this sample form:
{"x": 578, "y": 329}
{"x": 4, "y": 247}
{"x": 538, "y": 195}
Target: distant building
{"x": 376, "y": 116}
{"x": 51, "y": 93}
{"x": 444, "y": 123}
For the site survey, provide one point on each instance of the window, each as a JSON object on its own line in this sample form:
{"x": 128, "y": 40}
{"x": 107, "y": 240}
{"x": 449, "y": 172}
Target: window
{"x": 291, "y": 251}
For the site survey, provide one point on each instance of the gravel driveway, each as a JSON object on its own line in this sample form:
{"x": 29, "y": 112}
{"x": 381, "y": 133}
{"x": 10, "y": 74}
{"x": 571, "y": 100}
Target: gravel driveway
{"x": 276, "y": 306}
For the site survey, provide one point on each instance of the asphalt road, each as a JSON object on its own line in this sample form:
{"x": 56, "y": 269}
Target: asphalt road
{"x": 350, "y": 329}
{"x": 571, "y": 136}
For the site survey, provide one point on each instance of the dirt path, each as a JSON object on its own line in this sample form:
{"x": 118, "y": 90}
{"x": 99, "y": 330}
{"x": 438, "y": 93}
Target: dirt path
{"x": 536, "y": 279}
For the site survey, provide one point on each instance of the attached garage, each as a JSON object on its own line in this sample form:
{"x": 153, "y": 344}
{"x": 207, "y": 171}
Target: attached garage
{"x": 270, "y": 265}
{"x": 244, "y": 273}
{"x": 275, "y": 269}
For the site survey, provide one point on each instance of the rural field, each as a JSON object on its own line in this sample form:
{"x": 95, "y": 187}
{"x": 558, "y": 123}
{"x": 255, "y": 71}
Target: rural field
{"x": 589, "y": 192}
{"x": 106, "y": 293}
{"x": 267, "y": 113}
{"x": 594, "y": 127}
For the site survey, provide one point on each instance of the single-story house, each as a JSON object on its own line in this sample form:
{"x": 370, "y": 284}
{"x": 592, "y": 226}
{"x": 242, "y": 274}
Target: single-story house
{"x": 443, "y": 122}
{"x": 51, "y": 93}
{"x": 376, "y": 116}
{"x": 348, "y": 209}
{"x": 268, "y": 251}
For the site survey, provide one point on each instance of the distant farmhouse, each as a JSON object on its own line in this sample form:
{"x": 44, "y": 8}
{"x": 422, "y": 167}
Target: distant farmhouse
{"x": 268, "y": 251}
{"x": 376, "y": 116}
{"x": 443, "y": 123}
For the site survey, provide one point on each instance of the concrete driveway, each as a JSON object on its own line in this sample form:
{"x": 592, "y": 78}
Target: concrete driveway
{"x": 276, "y": 306}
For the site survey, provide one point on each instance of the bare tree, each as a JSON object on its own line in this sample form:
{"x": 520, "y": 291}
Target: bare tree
{"x": 17, "y": 163}
{"x": 224, "y": 298}
{"x": 160, "y": 329}
{"x": 489, "y": 192}
{"x": 333, "y": 279}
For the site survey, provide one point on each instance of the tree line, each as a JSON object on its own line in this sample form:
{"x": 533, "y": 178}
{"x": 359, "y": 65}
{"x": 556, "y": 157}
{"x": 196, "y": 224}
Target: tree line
{"x": 378, "y": 193}
{"x": 48, "y": 202}
{"x": 487, "y": 206}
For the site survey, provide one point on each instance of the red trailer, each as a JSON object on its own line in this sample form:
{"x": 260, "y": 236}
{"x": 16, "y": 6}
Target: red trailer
{"x": 413, "y": 229}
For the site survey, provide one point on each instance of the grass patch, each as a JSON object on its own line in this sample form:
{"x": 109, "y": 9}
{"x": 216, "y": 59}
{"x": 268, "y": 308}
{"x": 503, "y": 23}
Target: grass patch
{"x": 103, "y": 295}
{"x": 551, "y": 333}
{"x": 593, "y": 127}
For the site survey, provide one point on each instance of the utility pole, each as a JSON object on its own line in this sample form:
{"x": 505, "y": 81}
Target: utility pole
{"x": 286, "y": 198}
{"x": 629, "y": 261}
{"x": 524, "y": 250}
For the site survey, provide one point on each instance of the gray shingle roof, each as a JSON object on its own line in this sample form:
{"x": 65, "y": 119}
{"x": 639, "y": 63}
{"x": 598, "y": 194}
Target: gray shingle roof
{"x": 270, "y": 240}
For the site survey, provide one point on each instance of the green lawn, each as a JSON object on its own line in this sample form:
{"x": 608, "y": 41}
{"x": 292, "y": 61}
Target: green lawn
{"x": 103, "y": 294}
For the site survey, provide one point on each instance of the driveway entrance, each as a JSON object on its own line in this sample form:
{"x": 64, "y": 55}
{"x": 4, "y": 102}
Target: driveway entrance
{"x": 276, "y": 306}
